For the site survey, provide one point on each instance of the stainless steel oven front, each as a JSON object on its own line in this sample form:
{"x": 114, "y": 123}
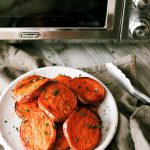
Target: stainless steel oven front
{"x": 86, "y": 20}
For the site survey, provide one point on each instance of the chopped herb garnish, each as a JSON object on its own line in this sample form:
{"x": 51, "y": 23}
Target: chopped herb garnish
{"x": 82, "y": 114}
{"x": 79, "y": 75}
{"x": 55, "y": 92}
{"x": 17, "y": 128}
{"x": 109, "y": 84}
{"x": 27, "y": 139}
{"x": 21, "y": 85}
{"x": 26, "y": 110}
{"x": 5, "y": 121}
{"x": 100, "y": 126}
{"x": 97, "y": 126}
{"x": 46, "y": 133}
{"x": 93, "y": 127}
{"x": 77, "y": 139}
{"x": 47, "y": 123}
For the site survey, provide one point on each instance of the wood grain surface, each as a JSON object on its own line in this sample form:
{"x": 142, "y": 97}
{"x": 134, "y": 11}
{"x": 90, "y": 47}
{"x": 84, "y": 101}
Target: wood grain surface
{"x": 88, "y": 55}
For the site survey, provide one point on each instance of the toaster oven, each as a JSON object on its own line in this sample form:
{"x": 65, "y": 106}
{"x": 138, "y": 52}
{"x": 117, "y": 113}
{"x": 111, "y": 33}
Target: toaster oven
{"x": 86, "y": 20}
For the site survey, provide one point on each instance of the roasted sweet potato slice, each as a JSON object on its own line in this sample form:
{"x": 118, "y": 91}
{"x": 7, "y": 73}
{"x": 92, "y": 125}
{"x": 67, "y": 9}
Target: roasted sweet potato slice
{"x": 38, "y": 132}
{"x": 63, "y": 79}
{"x": 58, "y": 101}
{"x": 24, "y": 109}
{"x": 83, "y": 129}
{"x": 87, "y": 90}
{"x": 61, "y": 141}
{"x": 29, "y": 88}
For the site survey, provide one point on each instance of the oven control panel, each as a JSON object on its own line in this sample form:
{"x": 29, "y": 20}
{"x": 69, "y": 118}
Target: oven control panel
{"x": 139, "y": 29}
{"x": 141, "y": 4}
{"x": 139, "y": 19}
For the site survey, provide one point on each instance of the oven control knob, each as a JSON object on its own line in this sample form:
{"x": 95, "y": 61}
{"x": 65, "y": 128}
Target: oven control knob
{"x": 140, "y": 29}
{"x": 141, "y": 4}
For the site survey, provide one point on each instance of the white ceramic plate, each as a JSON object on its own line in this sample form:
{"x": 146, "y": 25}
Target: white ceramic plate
{"x": 9, "y": 121}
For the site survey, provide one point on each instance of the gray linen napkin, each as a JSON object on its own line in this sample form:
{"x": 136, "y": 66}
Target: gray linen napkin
{"x": 134, "y": 124}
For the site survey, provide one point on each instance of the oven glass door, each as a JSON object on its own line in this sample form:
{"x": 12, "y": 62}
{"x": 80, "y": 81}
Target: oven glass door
{"x": 53, "y": 13}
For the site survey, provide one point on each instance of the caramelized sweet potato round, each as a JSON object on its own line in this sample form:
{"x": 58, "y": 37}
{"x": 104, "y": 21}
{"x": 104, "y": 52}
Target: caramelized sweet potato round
{"x": 37, "y": 132}
{"x": 63, "y": 79}
{"x": 83, "y": 129}
{"x": 29, "y": 88}
{"x": 42, "y": 101}
{"x": 58, "y": 101}
{"x": 87, "y": 90}
{"x": 24, "y": 109}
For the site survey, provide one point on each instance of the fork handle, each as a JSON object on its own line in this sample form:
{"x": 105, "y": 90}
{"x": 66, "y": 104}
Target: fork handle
{"x": 125, "y": 82}
{"x": 139, "y": 95}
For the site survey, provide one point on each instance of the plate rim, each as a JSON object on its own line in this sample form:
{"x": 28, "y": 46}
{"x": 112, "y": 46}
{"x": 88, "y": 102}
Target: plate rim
{"x": 113, "y": 126}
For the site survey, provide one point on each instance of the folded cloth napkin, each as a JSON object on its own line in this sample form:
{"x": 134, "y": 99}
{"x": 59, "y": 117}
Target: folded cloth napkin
{"x": 133, "y": 130}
